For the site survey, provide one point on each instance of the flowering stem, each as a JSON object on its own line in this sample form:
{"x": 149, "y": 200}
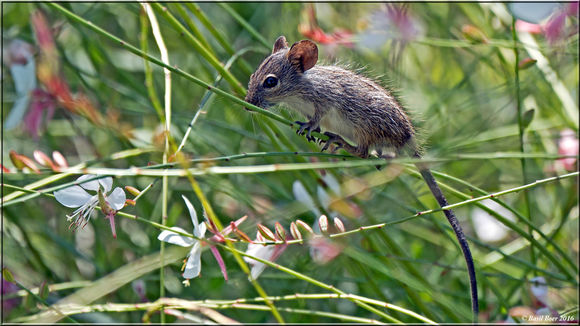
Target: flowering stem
{"x": 211, "y": 215}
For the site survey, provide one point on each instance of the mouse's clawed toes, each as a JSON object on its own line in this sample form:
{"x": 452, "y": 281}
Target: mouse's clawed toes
{"x": 309, "y": 137}
{"x": 306, "y": 128}
{"x": 332, "y": 139}
{"x": 303, "y": 126}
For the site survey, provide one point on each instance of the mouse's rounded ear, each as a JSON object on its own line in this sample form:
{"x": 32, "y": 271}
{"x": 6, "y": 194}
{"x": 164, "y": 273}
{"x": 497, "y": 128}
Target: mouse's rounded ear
{"x": 280, "y": 44}
{"x": 303, "y": 55}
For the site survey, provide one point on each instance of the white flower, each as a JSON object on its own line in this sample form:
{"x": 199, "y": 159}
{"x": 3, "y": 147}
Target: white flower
{"x": 487, "y": 228}
{"x": 76, "y": 196}
{"x": 193, "y": 264}
{"x": 269, "y": 253}
{"x": 260, "y": 251}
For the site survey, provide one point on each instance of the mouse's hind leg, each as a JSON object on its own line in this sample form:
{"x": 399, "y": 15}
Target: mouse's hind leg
{"x": 361, "y": 150}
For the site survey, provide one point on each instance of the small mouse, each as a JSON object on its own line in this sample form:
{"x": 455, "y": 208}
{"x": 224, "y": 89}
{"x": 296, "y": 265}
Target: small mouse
{"x": 350, "y": 107}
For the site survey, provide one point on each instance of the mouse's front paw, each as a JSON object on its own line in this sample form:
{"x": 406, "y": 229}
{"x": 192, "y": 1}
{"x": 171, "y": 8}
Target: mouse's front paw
{"x": 307, "y": 127}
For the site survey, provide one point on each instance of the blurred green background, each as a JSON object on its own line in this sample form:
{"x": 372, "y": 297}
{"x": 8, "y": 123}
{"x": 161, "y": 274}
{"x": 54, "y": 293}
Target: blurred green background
{"x": 452, "y": 64}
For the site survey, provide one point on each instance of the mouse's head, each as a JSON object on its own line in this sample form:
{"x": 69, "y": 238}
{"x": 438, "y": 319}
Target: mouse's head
{"x": 280, "y": 75}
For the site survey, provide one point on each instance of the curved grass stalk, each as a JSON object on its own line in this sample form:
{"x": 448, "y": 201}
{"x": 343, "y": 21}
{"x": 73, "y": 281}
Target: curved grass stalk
{"x": 148, "y": 71}
{"x": 455, "y": 43}
{"x": 167, "y": 119}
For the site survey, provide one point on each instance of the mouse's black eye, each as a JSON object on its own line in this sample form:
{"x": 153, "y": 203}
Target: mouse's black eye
{"x": 270, "y": 82}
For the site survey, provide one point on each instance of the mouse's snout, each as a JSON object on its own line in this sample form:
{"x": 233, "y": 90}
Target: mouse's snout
{"x": 253, "y": 99}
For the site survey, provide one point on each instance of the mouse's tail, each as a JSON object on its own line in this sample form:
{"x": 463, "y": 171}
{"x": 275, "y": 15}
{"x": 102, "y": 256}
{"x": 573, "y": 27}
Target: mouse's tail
{"x": 432, "y": 184}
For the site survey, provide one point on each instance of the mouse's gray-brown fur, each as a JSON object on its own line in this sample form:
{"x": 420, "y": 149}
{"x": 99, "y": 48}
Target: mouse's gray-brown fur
{"x": 347, "y": 105}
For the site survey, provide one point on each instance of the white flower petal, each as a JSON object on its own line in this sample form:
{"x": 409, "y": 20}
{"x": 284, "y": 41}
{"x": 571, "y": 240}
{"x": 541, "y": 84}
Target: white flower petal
{"x": 73, "y": 196}
{"x": 323, "y": 197}
{"x": 532, "y": 12}
{"x": 487, "y": 227}
{"x": 192, "y": 212}
{"x": 260, "y": 251}
{"x": 107, "y": 183}
{"x": 117, "y": 199}
{"x": 332, "y": 183}
{"x": 540, "y": 289}
{"x": 200, "y": 231}
{"x": 91, "y": 185}
{"x": 256, "y": 270}
{"x": 302, "y": 196}
{"x": 193, "y": 265}
{"x": 18, "y": 110}
{"x": 176, "y": 239}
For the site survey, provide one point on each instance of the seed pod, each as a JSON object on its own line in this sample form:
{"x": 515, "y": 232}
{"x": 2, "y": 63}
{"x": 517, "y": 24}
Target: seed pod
{"x": 473, "y": 34}
{"x": 7, "y": 275}
{"x": 266, "y": 233}
{"x": 133, "y": 191}
{"x": 280, "y": 232}
{"x": 260, "y": 238}
{"x": 323, "y": 223}
{"x": 43, "y": 159}
{"x": 338, "y": 225}
{"x": 526, "y": 63}
{"x": 295, "y": 232}
{"x": 527, "y": 117}
{"x": 21, "y": 161}
{"x": 304, "y": 226}
{"x": 43, "y": 290}
{"x": 59, "y": 159}
{"x": 15, "y": 158}
{"x": 240, "y": 233}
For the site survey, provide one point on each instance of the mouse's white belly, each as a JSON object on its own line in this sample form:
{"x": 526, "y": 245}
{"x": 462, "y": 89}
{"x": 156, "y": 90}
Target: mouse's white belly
{"x": 334, "y": 122}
